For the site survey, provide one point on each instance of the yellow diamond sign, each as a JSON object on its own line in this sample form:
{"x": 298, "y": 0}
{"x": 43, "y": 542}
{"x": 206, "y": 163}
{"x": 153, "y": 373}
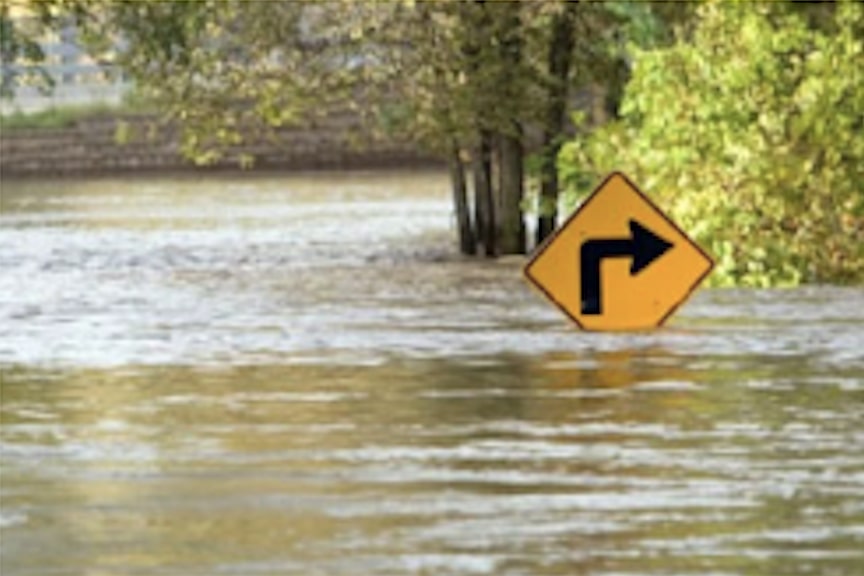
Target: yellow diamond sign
{"x": 618, "y": 263}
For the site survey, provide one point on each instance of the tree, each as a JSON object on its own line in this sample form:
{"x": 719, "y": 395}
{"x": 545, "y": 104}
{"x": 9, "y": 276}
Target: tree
{"x": 559, "y": 58}
{"x": 751, "y": 134}
{"x": 19, "y": 49}
{"x": 466, "y": 79}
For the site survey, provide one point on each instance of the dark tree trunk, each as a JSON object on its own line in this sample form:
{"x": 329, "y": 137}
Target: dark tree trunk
{"x": 484, "y": 203}
{"x": 511, "y": 173}
{"x": 467, "y": 240}
{"x": 480, "y": 22}
{"x": 559, "y": 63}
{"x": 511, "y": 233}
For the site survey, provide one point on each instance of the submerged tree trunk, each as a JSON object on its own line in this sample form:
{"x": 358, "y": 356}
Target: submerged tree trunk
{"x": 484, "y": 203}
{"x": 512, "y": 225}
{"x": 467, "y": 240}
{"x": 559, "y": 63}
{"x": 478, "y": 20}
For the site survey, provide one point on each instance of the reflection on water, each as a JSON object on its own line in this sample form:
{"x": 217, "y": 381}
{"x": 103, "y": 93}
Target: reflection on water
{"x": 292, "y": 376}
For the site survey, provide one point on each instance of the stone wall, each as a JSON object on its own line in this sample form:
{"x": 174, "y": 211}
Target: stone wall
{"x": 91, "y": 146}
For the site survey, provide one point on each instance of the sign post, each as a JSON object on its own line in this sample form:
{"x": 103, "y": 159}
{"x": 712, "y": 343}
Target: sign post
{"x": 618, "y": 262}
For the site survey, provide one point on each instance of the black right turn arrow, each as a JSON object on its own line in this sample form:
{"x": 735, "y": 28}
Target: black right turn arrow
{"x": 643, "y": 246}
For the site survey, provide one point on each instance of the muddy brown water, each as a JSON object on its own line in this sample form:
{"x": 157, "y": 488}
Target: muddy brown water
{"x": 293, "y": 375}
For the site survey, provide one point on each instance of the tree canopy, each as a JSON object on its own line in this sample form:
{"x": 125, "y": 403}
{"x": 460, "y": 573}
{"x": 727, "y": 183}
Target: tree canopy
{"x": 750, "y": 132}
{"x": 469, "y": 79}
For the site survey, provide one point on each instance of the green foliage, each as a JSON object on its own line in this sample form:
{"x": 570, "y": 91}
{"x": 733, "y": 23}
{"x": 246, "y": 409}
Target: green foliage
{"x": 751, "y": 135}
{"x": 432, "y": 71}
{"x": 222, "y": 70}
{"x": 18, "y": 46}
{"x": 435, "y": 72}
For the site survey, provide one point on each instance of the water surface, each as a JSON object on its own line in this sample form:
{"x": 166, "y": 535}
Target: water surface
{"x": 295, "y": 376}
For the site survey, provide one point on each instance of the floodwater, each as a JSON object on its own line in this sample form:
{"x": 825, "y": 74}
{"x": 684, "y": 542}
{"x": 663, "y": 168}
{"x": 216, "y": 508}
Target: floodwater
{"x": 294, "y": 375}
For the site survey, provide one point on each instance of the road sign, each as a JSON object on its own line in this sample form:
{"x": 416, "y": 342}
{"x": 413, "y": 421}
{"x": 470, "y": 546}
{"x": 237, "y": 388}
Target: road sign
{"x": 618, "y": 263}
